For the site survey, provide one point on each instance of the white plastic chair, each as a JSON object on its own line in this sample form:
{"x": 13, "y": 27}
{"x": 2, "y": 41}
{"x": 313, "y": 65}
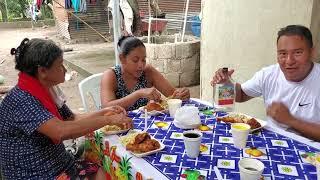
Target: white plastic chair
{"x": 90, "y": 87}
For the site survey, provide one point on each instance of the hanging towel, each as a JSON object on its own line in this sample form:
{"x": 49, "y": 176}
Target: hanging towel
{"x": 39, "y": 2}
{"x": 67, "y": 4}
{"x": 83, "y": 6}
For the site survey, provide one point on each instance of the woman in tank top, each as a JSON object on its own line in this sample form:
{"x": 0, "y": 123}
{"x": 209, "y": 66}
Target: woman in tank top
{"x": 133, "y": 83}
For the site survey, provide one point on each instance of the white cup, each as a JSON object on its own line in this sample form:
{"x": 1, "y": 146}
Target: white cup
{"x": 250, "y": 169}
{"x": 317, "y": 162}
{"x": 192, "y": 142}
{"x": 240, "y": 132}
{"x": 173, "y": 105}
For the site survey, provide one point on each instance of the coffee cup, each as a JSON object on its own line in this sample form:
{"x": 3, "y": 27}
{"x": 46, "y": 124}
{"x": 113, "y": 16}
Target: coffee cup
{"x": 192, "y": 142}
{"x": 173, "y": 105}
{"x": 240, "y": 132}
{"x": 250, "y": 169}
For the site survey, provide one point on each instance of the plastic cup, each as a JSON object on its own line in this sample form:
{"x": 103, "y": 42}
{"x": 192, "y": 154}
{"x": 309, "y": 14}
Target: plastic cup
{"x": 317, "y": 160}
{"x": 250, "y": 169}
{"x": 192, "y": 142}
{"x": 173, "y": 105}
{"x": 240, "y": 132}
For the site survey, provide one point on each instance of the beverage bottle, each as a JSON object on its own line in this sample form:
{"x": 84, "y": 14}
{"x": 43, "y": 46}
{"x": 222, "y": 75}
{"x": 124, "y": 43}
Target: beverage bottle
{"x": 224, "y": 94}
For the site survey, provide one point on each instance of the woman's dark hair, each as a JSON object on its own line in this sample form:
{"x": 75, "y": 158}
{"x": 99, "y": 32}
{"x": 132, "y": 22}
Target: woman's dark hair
{"x": 34, "y": 53}
{"x": 127, "y": 43}
{"x": 298, "y": 30}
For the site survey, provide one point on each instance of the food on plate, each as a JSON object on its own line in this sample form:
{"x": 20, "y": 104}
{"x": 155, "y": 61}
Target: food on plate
{"x": 140, "y": 142}
{"x": 153, "y": 106}
{"x": 253, "y": 151}
{"x": 253, "y": 123}
{"x": 111, "y": 128}
{"x": 164, "y": 103}
{"x": 241, "y": 118}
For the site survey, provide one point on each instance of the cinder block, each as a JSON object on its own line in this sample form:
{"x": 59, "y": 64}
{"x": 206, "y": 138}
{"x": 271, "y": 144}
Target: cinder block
{"x": 158, "y": 64}
{"x": 189, "y": 64}
{"x": 172, "y": 65}
{"x": 190, "y": 78}
{"x": 173, "y": 78}
{"x": 165, "y": 51}
{"x": 150, "y": 51}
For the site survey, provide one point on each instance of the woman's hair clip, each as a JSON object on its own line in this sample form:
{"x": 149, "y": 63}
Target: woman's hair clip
{"x": 17, "y": 52}
{"x": 13, "y": 51}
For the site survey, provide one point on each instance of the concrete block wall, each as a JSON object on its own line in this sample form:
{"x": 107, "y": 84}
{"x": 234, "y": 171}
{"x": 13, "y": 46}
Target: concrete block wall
{"x": 178, "y": 62}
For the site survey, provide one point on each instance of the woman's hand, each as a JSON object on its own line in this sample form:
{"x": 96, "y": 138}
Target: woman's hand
{"x": 181, "y": 93}
{"x": 113, "y": 110}
{"x": 116, "y": 115}
{"x": 220, "y": 77}
{"x": 123, "y": 122}
{"x": 150, "y": 93}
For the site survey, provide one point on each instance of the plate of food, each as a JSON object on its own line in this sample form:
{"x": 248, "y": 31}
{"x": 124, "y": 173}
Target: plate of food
{"x": 141, "y": 144}
{"x": 255, "y": 123}
{"x": 112, "y": 129}
{"x": 155, "y": 108}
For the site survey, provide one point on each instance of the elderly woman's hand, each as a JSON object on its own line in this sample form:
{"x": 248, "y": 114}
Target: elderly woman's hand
{"x": 113, "y": 110}
{"x": 220, "y": 77}
{"x": 181, "y": 93}
{"x": 123, "y": 122}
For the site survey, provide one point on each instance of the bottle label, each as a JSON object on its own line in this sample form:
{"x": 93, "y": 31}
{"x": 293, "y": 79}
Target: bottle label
{"x": 226, "y": 95}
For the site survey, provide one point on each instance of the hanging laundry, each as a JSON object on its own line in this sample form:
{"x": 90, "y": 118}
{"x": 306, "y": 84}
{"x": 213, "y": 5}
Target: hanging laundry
{"x": 127, "y": 15}
{"x": 76, "y": 5}
{"x": 67, "y": 4}
{"x": 39, "y": 2}
{"x": 92, "y": 1}
{"x": 83, "y": 6}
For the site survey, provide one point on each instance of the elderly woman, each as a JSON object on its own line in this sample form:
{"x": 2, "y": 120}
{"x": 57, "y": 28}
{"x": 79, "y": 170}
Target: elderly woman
{"x": 33, "y": 122}
{"x": 133, "y": 83}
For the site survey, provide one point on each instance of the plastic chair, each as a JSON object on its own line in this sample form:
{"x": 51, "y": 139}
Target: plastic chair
{"x": 90, "y": 86}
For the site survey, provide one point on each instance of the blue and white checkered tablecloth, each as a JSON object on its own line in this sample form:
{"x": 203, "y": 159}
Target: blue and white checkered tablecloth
{"x": 282, "y": 155}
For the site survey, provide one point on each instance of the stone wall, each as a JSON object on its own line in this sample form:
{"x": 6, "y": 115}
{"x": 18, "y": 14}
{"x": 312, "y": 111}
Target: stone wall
{"x": 178, "y": 62}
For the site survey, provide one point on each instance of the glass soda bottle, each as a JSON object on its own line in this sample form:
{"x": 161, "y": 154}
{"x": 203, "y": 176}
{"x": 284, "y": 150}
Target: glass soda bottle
{"x": 224, "y": 94}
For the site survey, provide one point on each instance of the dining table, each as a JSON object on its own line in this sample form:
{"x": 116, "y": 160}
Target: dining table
{"x": 285, "y": 155}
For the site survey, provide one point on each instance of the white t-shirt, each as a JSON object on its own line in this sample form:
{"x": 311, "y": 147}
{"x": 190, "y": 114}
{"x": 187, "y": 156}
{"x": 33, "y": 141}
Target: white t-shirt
{"x": 302, "y": 98}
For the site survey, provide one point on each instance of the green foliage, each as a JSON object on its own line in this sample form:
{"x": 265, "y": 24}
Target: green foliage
{"x": 17, "y": 10}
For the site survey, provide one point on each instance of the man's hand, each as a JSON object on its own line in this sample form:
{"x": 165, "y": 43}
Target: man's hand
{"x": 279, "y": 112}
{"x": 220, "y": 77}
{"x": 150, "y": 93}
{"x": 181, "y": 93}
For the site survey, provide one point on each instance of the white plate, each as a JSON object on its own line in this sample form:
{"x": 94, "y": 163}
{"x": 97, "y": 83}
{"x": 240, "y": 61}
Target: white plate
{"x": 262, "y": 122}
{"x": 185, "y": 126}
{"x": 114, "y": 132}
{"x": 162, "y": 146}
{"x": 154, "y": 112}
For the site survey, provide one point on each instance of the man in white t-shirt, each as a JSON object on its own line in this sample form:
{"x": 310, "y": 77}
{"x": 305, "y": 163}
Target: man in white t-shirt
{"x": 290, "y": 88}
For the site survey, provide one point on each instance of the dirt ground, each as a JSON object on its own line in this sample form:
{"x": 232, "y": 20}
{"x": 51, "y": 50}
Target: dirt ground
{"x": 11, "y": 38}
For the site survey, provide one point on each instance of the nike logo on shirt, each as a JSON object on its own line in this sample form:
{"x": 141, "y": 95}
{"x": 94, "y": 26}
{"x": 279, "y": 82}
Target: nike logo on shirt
{"x": 300, "y": 104}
